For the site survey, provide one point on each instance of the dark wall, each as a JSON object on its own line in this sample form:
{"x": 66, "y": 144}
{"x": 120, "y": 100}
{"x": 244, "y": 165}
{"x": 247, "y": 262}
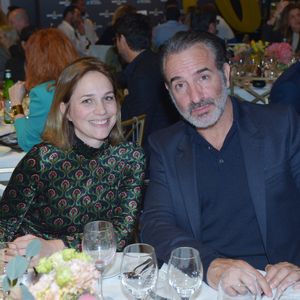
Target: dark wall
{"x": 45, "y": 13}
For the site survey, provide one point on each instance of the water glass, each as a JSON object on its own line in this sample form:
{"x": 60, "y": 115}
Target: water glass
{"x": 139, "y": 270}
{"x": 185, "y": 271}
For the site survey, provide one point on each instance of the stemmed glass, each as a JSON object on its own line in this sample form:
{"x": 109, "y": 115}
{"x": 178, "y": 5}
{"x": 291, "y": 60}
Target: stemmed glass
{"x": 139, "y": 270}
{"x": 185, "y": 271}
{"x": 99, "y": 242}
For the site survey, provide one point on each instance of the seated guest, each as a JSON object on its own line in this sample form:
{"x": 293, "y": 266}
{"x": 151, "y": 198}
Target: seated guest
{"x": 82, "y": 171}
{"x": 18, "y": 18}
{"x": 48, "y": 52}
{"x": 286, "y": 88}
{"x": 72, "y": 26}
{"x": 226, "y": 180}
{"x": 288, "y": 27}
{"x": 142, "y": 76}
{"x": 163, "y": 32}
{"x": 204, "y": 19}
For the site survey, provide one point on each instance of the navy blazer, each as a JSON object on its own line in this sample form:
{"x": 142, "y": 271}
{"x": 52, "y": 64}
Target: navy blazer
{"x": 286, "y": 89}
{"x": 270, "y": 141}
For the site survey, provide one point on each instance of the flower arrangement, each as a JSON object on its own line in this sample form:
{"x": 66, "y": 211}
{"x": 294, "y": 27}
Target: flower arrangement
{"x": 282, "y": 52}
{"x": 66, "y": 274}
{"x": 258, "y": 47}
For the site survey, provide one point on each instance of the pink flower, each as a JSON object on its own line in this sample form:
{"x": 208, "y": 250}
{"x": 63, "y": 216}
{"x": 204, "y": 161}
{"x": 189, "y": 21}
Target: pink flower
{"x": 87, "y": 297}
{"x": 283, "y": 52}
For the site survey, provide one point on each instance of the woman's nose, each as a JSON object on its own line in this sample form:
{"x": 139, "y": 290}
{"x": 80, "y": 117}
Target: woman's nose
{"x": 100, "y": 107}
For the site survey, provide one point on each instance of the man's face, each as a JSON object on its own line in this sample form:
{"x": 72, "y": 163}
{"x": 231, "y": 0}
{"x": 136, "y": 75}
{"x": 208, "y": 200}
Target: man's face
{"x": 197, "y": 87}
{"x": 76, "y": 18}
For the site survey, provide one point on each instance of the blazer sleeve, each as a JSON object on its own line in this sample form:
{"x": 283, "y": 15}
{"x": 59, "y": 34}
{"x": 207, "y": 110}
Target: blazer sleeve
{"x": 29, "y": 129}
{"x": 162, "y": 219}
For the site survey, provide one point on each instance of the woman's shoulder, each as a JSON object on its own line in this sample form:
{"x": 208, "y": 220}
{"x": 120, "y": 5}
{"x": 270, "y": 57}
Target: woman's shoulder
{"x": 45, "y": 87}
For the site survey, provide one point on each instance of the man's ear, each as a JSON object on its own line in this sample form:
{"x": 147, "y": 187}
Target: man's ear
{"x": 166, "y": 85}
{"x": 63, "y": 108}
{"x": 226, "y": 70}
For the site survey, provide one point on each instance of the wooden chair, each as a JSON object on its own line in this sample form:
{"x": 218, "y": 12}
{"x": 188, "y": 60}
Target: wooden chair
{"x": 133, "y": 129}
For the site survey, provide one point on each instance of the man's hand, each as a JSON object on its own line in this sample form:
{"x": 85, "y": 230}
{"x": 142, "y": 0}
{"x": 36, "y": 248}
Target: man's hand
{"x": 282, "y": 275}
{"x": 235, "y": 272}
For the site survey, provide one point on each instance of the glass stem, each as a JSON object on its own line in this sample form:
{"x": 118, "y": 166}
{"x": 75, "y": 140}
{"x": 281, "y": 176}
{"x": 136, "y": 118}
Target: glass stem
{"x": 100, "y": 293}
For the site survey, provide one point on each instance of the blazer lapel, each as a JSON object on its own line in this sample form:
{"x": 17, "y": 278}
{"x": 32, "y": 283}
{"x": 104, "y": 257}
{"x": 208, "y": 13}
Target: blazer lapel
{"x": 252, "y": 145}
{"x": 187, "y": 179}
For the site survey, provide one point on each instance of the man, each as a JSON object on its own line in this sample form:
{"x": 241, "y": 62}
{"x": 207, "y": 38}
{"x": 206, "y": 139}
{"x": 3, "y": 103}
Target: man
{"x": 142, "y": 76}
{"x": 89, "y": 26}
{"x": 225, "y": 181}
{"x": 18, "y": 19}
{"x": 163, "y": 32}
{"x": 286, "y": 88}
{"x": 72, "y": 26}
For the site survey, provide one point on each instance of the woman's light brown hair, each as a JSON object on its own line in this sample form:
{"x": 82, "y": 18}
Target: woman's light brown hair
{"x": 59, "y": 131}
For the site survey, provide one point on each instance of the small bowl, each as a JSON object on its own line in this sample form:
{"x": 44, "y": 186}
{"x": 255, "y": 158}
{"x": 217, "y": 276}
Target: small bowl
{"x": 258, "y": 83}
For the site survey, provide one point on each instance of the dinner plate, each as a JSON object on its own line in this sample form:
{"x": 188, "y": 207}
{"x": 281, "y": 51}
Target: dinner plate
{"x": 113, "y": 269}
{"x": 4, "y": 150}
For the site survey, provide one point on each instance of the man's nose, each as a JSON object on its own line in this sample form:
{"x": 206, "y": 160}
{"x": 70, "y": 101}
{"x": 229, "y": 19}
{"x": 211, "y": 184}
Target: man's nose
{"x": 195, "y": 93}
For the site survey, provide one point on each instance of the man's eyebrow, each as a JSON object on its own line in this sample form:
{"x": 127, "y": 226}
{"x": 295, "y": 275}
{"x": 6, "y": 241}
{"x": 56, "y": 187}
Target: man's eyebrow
{"x": 197, "y": 72}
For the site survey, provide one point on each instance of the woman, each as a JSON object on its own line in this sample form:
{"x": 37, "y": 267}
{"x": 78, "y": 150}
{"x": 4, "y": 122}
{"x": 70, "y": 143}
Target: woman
{"x": 287, "y": 28}
{"x": 47, "y": 53}
{"x": 82, "y": 172}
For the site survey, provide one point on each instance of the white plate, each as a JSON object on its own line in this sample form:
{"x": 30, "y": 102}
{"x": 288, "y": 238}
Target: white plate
{"x": 4, "y": 150}
{"x": 113, "y": 269}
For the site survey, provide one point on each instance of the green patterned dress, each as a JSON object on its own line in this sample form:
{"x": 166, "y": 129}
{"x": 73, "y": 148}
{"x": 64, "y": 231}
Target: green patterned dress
{"x": 53, "y": 193}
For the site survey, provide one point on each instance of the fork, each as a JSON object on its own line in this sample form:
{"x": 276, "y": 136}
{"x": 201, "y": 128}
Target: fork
{"x": 133, "y": 274}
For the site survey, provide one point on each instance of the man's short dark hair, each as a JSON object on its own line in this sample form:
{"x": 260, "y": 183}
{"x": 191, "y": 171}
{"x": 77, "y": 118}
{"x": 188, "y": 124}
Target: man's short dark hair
{"x": 137, "y": 30}
{"x": 69, "y": 9}
{"x": 172, "y": 13}
{"x": 184, "y": 40}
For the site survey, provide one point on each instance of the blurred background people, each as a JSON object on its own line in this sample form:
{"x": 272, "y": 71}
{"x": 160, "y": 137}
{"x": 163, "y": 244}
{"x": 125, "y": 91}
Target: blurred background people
{"x": 142, "y": 76}
{"x": 47, "y": 53}
{"x": 108, "y": 35}
{"x": 203, "y": 19}
{"x": 73, "y": 27}
{"x": 164, "y": 31}
{"x": 82, "y": 172}
{"x": 8, "y": 37}
{"x": 287, "y": 29}
{"x": 89, "y": 26}
{"x": 16, "y": 62}
{"x": 18, "y": 18}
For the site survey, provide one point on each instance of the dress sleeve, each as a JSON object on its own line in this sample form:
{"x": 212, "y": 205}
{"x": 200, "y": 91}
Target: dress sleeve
{"x": 130, "y": 192}
{"x": 19, "y": 195}
{"x": 30, "y": 128}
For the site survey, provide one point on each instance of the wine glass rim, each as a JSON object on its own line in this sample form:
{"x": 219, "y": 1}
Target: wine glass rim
{"x": 193, "y": 250}
{"x": 138, "y": 245}
{"x": 106, "y": 223}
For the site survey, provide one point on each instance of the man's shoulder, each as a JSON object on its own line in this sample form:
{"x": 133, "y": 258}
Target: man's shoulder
{"x": 173, "y": 133}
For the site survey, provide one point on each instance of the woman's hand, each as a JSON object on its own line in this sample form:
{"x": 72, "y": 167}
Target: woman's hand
{"x": 48, "y": 246}
{"x": 17, "y": 93}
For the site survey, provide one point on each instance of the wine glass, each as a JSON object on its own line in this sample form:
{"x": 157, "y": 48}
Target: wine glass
{"x": 139, "y": 270}
{"x": 185, "y": 271}
{"x": 99, "y": 242}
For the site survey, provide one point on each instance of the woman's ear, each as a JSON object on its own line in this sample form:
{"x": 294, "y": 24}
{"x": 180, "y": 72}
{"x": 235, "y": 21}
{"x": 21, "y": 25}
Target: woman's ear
{"x": 63, "y": 108}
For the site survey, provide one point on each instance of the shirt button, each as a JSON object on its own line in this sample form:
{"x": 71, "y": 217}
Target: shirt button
{"x": 221, "y": 161}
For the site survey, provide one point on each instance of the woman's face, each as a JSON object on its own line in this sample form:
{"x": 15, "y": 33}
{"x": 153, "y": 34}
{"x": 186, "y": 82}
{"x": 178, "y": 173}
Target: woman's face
{"x": 294, "y": 20}
{"x": 92, "y": 108}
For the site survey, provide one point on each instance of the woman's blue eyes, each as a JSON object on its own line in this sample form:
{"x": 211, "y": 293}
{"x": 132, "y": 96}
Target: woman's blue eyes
{"x": 106, "y": 98}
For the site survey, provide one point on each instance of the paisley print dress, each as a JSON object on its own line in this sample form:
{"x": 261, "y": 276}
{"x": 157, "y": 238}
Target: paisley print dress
{"x": 54, "y": 193}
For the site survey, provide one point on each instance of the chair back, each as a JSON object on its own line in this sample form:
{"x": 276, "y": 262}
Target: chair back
{"x": 133, "y": 129}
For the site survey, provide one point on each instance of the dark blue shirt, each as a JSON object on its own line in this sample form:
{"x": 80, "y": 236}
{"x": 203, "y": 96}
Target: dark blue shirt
{"x": 228, "y": 219}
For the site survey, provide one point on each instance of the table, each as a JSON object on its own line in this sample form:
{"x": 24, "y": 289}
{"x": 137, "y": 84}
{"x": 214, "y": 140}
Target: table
{"x": 8, "y": 160}
{"x": 242, "y": 89}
